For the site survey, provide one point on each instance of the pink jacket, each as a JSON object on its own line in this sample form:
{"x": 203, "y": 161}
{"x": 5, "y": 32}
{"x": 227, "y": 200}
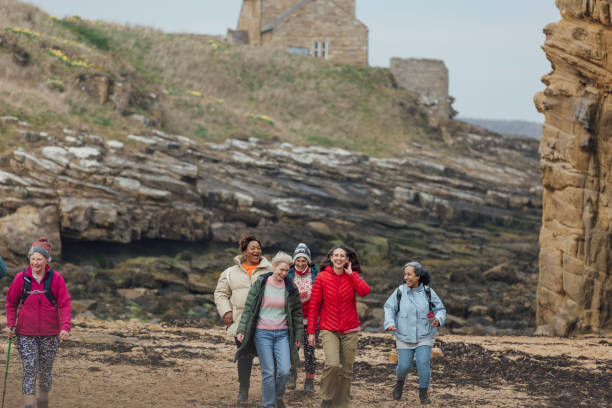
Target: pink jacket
{"x": 37, "y": 316}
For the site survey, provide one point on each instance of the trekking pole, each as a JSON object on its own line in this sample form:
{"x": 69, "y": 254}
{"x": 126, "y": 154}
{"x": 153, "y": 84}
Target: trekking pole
{"x": 8, "y": 355}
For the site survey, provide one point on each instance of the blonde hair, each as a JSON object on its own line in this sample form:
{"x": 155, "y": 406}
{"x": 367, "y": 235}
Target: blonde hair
{"x": 281, "y": 257}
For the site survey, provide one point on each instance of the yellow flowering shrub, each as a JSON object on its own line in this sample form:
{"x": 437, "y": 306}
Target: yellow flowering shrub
{"x": 24, "y": 31}
{"x": 262, "y": 118}
{"x": 71, "y": 62}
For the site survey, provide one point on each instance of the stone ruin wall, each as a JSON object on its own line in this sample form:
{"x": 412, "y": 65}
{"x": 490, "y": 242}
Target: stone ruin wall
{"x": 574, "y": 293}
{"x": 428, "y": 78}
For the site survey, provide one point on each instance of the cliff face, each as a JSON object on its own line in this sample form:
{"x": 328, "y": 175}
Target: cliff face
{"x": 472, "y": 222}
{"x": 575, "y": 284}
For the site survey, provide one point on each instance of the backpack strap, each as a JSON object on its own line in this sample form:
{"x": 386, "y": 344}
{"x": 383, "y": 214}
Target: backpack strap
{"x": 27, "y": 288}
{"x": 428, "y": 294}
{"x": 398, "y": 295}
{"x": 47, "y": 287}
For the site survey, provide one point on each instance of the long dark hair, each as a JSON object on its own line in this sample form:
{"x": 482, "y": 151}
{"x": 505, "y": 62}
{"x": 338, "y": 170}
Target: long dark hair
{"x": 352, "y": 256}
{"x": 424, "y": 275}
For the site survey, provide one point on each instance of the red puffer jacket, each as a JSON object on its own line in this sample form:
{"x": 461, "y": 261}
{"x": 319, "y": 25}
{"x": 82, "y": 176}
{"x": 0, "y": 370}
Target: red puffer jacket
{"x": 37, "y": 316}
{"x": 334, "y": 296}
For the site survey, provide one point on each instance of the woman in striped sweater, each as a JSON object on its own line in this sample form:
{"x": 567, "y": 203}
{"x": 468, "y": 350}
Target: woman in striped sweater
{"x": 271, "y": 324}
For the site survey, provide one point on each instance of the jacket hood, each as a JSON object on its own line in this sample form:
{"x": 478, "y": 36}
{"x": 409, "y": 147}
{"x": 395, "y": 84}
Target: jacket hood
{"x": 238, "y": 259}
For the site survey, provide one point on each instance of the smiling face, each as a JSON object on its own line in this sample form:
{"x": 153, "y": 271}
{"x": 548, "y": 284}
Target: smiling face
{"x": 252, "y": 253}
{"x": 339, "y": 258}
{"x": 38, "y": 263}
{"x": 301, "y": 263}
{"x": 281, "y": 271}
{"x": 411, "y": 279}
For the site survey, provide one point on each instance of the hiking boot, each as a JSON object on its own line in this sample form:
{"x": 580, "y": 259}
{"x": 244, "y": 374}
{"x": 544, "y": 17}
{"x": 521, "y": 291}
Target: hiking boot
{"x": 292, "y": 379}
{"x": 243, "y": 395}
{"x": 279, "y": 404}
{"x": 309, "y": 386}
{"x": 423, "y": 396}
{"x": 42, "y": 403}
{"x": 398, "y": 390}
{"x": 326, "y": 403}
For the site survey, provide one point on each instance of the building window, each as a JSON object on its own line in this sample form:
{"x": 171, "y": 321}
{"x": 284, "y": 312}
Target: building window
{"x": 320, "y": 49}
{"x": 299, "y": 50}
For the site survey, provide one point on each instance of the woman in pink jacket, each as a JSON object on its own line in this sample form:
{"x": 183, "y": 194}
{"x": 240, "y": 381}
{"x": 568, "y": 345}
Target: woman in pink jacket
{"x": 38, "y": 312}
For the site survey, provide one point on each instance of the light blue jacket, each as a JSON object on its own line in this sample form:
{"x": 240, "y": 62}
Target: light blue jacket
{"x": 411, "y": 322}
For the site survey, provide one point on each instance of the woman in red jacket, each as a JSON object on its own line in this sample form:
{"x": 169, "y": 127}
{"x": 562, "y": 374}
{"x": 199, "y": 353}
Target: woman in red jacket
{"x": 333, "y": 299}
{"x": 40, "y": 317}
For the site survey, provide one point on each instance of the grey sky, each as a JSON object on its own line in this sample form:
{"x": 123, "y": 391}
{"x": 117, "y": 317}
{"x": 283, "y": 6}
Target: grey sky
{"x": 491, "y": 47}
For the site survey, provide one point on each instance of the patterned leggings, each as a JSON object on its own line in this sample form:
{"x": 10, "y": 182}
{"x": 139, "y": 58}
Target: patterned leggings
{"x": 309, "y": 355}
{"x": 37, "y": 356}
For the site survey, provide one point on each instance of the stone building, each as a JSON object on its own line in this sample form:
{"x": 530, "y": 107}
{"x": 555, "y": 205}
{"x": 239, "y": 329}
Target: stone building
{"x": 320, "y": 28}
{"x": 429, "y": 79}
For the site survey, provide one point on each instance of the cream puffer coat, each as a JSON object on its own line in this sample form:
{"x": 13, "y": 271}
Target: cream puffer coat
{"x": 233, "y": 287}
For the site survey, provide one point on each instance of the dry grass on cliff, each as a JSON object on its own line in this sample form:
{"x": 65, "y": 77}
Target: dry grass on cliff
{"x": 212, "y": 90}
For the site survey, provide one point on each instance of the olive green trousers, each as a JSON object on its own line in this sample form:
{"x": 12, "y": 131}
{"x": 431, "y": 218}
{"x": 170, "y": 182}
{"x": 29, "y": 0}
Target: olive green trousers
{"x": 340, "y": 350}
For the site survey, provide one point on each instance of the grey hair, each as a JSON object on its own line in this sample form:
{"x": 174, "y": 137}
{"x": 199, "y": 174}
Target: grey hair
{"x": 424, "y": 276}
{"x": 281, "y": 257}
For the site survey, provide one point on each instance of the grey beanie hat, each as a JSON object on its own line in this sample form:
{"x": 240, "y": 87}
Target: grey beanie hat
{"x": 43, "y": 247}
{"x": 302, "y": 251}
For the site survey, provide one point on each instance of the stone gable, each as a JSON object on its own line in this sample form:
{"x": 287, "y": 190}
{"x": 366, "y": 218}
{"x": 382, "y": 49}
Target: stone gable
{"x": 320, "y": 28}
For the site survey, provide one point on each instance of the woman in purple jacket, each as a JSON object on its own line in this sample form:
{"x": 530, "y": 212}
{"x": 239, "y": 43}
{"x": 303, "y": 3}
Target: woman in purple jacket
{"x": 38, "y": 312}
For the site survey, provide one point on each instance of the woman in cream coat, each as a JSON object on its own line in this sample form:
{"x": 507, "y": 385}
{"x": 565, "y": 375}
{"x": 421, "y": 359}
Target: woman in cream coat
{"x": 231, "y": 294}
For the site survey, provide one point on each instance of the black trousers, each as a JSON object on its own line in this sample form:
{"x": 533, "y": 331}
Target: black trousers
{"x": 245, "y": 364}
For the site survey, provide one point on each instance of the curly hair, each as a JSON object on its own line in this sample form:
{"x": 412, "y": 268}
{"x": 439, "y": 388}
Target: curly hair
{"x": 245, "y": 240}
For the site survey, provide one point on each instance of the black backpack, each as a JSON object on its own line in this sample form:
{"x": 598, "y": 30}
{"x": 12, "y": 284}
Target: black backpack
{"x": 398, "y": 294}
{"x": 27, "y": 288}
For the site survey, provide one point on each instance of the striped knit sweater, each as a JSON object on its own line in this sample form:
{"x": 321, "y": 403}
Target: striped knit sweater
{"x": 272, "y": 315}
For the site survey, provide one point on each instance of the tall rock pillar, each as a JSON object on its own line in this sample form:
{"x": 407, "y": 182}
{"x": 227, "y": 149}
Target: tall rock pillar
{"x": 574, "y": 292}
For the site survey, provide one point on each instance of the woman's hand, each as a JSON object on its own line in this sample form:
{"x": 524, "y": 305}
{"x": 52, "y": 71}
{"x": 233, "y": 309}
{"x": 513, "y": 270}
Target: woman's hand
{"x": 312, "y": 341}
{"x": 240, "y": 336}
{"x": 298, "y": 344}
{"x": 391, "y": 328}
{"x": 64, "y": 335}
{"x": 435, "y": 323}
{"x": 228, "y": 318}
{"x": 348, "y": 268}
{"x": 10, "y": 331}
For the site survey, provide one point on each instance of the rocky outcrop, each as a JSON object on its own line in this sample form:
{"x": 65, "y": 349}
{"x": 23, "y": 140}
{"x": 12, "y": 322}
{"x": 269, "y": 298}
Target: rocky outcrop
{"x": 168, "y": 187}
{"x": 575, "y": 285}
{"x": 124, "y": 95}
{"x": 461, "y": 211}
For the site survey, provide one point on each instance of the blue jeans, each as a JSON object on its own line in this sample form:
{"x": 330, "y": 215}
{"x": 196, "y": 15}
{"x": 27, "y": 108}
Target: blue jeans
{"x": 404, "y": 363}
{"x": 273, "y": 347}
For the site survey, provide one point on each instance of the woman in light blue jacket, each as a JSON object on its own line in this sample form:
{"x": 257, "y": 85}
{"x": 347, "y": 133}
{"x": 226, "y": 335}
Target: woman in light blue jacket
{"x": 413, "y": 313}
